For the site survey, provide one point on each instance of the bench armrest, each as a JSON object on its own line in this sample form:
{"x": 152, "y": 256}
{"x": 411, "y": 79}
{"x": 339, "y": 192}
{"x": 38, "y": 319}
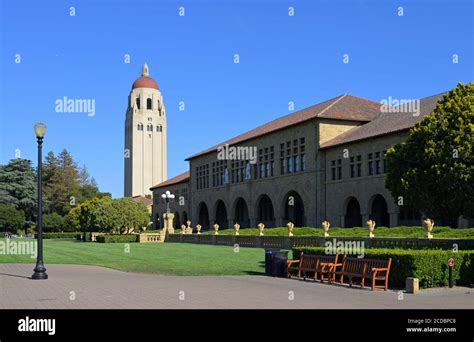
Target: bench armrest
{"x": 376, "y": 270}
{"x": 293, "y": 262}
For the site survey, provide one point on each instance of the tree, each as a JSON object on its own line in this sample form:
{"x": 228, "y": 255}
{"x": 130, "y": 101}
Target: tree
{"x": 18, "y": 186}
{"x": 104, "y": 214}
{"x": 50, "y": 172}
{"x": 84, "y": 176}
{"x": 71, "y": 221}
{"x": 433, "y": 170}
{"x": 62, "y": 182}
{"x": 66, "y": 185}
{"x": 132, "y": 215}
{"x": 96, "y": 215}
{"x": 11, "y": 219}
{"x": 53, "y": 222}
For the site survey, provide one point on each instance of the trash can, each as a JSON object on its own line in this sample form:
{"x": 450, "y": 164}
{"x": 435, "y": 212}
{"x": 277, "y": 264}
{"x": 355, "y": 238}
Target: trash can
{"x": 280, "y": 264}
{"x": 269, "y": 259}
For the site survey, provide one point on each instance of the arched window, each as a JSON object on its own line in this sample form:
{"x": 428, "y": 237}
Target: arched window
{"x": 148, "y": 104}
{"x": 158, "y": 128}
{"x": 140, "y": 127}
{"x": 138, "y": 102}
{"x": 149, "y": 128}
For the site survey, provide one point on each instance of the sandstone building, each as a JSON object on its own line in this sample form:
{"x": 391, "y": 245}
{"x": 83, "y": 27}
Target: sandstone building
{"x": 325, "y": 162}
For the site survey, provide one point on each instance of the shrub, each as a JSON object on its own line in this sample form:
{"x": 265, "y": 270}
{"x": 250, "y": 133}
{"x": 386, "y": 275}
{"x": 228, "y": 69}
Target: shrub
{"x": 31, "y": 230}
{"x": 152, "y": 231}
{"x": 429, "y": 266}
{"x": 68, "y": 235}
{"x": 53, "y": 222}
{"x": 116, "y": 238}
{"x": 11, "y": 219}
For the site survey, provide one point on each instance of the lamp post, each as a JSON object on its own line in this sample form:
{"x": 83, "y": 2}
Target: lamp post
{"x": 167, "y": 196}
{"x": 40, "y": 270}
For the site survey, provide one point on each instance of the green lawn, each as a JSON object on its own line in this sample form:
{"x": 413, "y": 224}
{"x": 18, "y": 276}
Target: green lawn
{"x": 168, "y": 258}
{"x": 413, "y": 232}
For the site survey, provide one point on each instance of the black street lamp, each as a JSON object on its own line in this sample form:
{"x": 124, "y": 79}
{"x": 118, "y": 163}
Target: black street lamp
{"x": 40, "y": 270}
{"x": 167, "y": 196}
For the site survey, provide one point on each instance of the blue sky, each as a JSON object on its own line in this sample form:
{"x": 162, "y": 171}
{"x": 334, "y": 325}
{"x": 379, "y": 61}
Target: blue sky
{"x": 282, "y": 59}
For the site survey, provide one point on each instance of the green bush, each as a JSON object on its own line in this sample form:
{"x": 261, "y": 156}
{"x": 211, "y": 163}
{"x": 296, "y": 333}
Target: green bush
{"x": 116, "y": 238}
{"x": 53, "y": 222}
{"x": 68, "y": 235}
{"x": 429, "y": 266}
{"x": 11, "y": 219}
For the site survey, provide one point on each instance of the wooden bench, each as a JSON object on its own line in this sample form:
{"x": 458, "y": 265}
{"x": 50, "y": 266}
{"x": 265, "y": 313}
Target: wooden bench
{"x": 371, "y": 269}
{"x": 315, "y": 264}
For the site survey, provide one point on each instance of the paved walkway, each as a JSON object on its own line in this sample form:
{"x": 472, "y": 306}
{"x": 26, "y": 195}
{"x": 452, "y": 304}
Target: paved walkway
{"x": 91, "y": 287}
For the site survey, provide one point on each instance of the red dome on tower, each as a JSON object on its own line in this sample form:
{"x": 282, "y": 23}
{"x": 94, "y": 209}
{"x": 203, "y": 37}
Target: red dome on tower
{"x": 145, "y": 81}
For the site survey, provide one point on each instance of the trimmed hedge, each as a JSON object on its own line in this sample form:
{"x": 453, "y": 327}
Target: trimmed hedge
{"x": 67, "y": 235}
{"x": 151, "y": 232}
{"x": 116, "y": 238}
{"x": 429, "y": 266}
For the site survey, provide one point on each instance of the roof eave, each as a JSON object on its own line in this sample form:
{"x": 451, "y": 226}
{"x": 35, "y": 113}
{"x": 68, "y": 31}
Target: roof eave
{"x": 366, "y": 138}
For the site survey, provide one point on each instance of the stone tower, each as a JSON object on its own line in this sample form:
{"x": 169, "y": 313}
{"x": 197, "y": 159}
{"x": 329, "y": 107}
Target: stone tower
{"x": 145, "y": 137}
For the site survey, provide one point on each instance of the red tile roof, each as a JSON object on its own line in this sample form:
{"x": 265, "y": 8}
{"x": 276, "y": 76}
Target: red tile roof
{"x": 181, "y": 178}
{"x": 145, "y": 82}
{"x": 343, "y": 107}
{"x": 386, "y": 123}
{"x": 140, "y": 198}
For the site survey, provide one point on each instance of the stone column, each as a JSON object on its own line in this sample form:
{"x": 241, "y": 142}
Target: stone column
{"x": 168, "y": 222}
{"x": 393, "y": 219}
{"x": 365, "y": 218}
{"x": 343, "y": 221}
{"x": 230, "y": 222}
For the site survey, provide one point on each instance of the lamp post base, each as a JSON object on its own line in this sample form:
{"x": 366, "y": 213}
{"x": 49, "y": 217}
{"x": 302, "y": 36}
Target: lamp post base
{"x": 40, "y": 273}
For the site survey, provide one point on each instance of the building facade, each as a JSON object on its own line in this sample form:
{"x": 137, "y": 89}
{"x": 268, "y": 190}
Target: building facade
{"x": 326, "y": 162}
{"x": 145, "y": 137}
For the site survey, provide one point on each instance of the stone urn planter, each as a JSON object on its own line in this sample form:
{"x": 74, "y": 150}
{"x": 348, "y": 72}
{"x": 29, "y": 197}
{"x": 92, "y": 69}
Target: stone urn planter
{"x": 261, "y": 227}
{"x": 236, "y": 228}
{"x": 189, "y": 230}
{"x": 198, "y": 228}
{"x": 326, "y": 225}
{"x": 371, "y": 227}
{"x": 183, "y": 229}
{"x": 216, "y": 229}
{"x": 428, "y": 224}
{"x": 290, "y": 226}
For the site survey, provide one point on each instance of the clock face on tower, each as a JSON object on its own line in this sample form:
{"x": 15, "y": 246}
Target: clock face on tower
{"x": 145, "y": 137}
